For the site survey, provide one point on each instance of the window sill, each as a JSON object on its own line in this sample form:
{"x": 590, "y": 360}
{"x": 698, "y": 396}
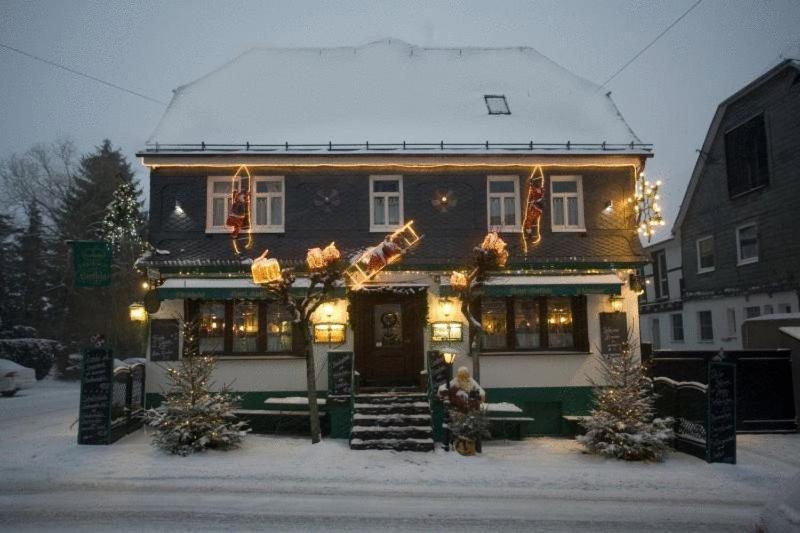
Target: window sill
{"x": 568, "y": 230}
{"x": 505, "y": 229}
{"x": 705, "y": 341}
{"x": 383, "y": 229}
{"x": 228, "y": 229}
{"x": 745, "y": 262}
{"x": 748, "y": 191}
{"x": 706, "y": 271}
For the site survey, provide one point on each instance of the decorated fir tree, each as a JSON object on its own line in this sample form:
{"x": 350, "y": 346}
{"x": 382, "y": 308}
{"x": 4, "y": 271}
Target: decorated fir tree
{"x": 622, "y": 423}
{"x": 192, "y": 418}
{"x": 122, "y": 223}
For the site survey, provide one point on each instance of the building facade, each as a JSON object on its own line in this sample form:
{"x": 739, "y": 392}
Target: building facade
{"x": 734, "y": 253}
{"x": 542, "y": 312}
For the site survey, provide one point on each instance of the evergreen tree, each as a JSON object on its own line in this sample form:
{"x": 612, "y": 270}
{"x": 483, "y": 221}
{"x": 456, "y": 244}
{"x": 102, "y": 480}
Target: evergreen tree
{"x": 32, "y": 277}
{"x": 123, "y": 222}
{"x": 192, "y": 418}
{"x": 622, "y": 423}
{"x": 80, "y": 217}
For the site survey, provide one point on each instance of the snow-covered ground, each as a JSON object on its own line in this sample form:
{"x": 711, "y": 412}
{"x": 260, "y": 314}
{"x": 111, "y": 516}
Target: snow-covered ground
{"x": 48, "y": 482}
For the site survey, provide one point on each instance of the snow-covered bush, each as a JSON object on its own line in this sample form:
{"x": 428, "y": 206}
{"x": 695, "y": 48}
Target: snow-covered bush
{"x": 472, "y": 425}
{"x": 192, "y": 418}
{"x": 38, "y": 354}
{"x": 622, "y": 423}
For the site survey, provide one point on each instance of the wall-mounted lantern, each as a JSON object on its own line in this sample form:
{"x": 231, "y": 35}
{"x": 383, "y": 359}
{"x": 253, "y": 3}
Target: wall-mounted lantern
{"x": 137, "y": 312}
{"x": 616, "y": 302}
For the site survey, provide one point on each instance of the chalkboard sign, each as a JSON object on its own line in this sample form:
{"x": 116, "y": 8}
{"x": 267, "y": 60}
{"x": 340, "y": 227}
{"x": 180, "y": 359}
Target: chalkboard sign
{"x": 721, "y": 432}
{"x": 92, "y": 263}
{"x": 613, "y": 333}
{"x": 437, "y": 369}
{"x": 94, "y": 419}
{"x": 164, "y": 340}
{"x": 340, "y": 373}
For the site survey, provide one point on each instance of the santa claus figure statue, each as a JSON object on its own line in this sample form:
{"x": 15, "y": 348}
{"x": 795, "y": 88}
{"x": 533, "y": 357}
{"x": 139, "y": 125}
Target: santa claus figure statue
{"x": 464, "y": 392}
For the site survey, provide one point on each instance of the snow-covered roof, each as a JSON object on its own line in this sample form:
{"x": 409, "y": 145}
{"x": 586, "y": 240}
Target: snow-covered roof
{"x": 390, "y": 91}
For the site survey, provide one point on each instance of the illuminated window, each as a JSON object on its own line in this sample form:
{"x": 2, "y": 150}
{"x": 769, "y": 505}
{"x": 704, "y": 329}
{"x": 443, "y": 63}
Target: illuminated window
{"x": 245, "y": 327}
{"x": 279, "y": 329}
{"x": 536, "y": 323}
{"x": 211, "y": 327}
{"x": 496, "y": 104}
{"x": 268, "y": 204}
{"x": 566, "y": 203}
{"x": 502, "y": 194}
{"x": 386, "y": 202}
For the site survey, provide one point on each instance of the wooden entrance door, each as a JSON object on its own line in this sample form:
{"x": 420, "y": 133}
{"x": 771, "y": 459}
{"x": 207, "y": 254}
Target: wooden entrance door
{"x": 388, "y": 338}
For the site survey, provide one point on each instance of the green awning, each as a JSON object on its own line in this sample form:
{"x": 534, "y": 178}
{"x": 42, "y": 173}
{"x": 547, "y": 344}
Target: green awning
{"x": 223, "y": 289}
{"x": 569, "y": 285}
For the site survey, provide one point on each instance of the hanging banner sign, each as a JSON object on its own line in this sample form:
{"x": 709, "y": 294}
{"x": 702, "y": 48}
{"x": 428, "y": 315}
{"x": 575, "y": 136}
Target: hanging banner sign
{"x": 92, "y": 263}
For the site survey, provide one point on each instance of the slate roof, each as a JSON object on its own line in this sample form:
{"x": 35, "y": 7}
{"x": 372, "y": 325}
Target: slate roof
{"x": 600, "y": 247}
{"x": 390, "y": 91}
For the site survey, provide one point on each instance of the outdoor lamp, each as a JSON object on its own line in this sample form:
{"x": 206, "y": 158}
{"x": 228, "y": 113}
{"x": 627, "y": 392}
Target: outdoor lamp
{"x": 446, "y": 307}
{"x": 449, "y": 357}
{"x": 616, "y": 303}
{"x": 137, "y": 312}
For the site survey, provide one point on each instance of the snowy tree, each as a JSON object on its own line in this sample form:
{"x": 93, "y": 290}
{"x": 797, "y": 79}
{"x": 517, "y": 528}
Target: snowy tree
{"x": 622, "y": 423}
{"x": 122, "y": 223}
{"x": 192, "y": 418}
{"x": 7, "y": 268}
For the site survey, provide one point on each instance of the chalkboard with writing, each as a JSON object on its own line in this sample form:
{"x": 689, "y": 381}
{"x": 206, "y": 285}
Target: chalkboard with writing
{"x": 613, "y": 333}
{"x": 437, "y": 368}
{"x": 721, "y": 432}
{"x": 340, "y": 373}
{"x": 164, "y": 340}
{"x": 94, "y": 419}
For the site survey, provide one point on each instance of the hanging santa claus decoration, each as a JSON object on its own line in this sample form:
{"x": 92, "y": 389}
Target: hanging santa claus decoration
{"x": 534, "y": 207}
{"x": 237, "y": 216}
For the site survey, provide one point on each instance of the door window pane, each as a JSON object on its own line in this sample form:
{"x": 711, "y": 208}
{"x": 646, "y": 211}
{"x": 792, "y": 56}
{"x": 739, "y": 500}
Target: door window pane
{"x": 559, "y": 323}
{"x": 245, "y": 327}
{"x": 279, "y": 329}
{"x": 211, "y": 327}
{"x": 526, "y": 323}
{"x": 388, "y": 325}
{"x": 493, "y": 319}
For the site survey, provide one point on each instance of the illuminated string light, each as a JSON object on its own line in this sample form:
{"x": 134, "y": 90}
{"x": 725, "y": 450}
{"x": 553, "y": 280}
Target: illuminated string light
{"x": 645, "y": 206}
{"x": 532, "y": 191}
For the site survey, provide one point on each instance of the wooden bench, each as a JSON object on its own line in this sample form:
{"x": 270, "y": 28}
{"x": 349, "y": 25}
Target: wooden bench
{"x": 279, "y": 415}
{"x": 573, "y": 422}
{"x": 512, "y": 422}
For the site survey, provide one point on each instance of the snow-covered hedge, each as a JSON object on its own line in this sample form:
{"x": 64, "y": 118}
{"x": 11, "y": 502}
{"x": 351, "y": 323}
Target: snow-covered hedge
{"x": 38, "y": 354}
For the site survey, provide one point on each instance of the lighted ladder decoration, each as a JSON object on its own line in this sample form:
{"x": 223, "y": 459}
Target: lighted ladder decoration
{"x": 375, "y": 259}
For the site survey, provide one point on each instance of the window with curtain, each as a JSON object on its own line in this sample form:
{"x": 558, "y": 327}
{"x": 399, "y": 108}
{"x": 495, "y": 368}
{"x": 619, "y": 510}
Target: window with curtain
{"x": 268, "y": 204}
{"x": 211, "y": 327}
{"x": 503, "y": 201}
{"x": 386, "y": 202}
{"x": 534, "y": 323}
{"x": 566, "y": 203}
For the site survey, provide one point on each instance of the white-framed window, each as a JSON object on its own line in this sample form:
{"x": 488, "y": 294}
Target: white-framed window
{"x": 566, "y": 203}
{"x": 218, "y": 203}
{"x": 385, "y": 203}
{"x": 730, "y": 315}
{"x": 705, "y": 254}
{"x": 747, "y": 244}
{"x": 502, "y": 209}
{"x": 268, "y": 204}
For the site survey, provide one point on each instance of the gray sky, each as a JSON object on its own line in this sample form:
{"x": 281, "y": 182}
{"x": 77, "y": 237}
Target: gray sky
{"x": 668, "y": 95}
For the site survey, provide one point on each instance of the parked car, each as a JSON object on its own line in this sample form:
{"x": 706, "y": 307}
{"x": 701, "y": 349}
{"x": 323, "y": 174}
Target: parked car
{"x": 14, "y": 377}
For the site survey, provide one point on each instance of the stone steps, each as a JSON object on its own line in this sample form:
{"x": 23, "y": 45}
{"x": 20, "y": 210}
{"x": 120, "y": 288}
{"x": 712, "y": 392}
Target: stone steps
{"x": 399, "y": 421}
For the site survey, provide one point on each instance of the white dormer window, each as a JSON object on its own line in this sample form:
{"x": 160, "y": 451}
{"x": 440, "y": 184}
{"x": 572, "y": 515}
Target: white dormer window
{"x": 218, "y": 203}
{"x": 502, "y": 194}
{"x": 268, "y": 204}
{"x": 385, "y": 203}
{"x": 566, "y": 203}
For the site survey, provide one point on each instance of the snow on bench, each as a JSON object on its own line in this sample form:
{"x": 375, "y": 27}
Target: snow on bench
{"x": 501, "y": 407}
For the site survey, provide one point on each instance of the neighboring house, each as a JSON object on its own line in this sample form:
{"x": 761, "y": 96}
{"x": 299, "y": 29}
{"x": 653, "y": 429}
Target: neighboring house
{"x": 737, "y": 226}
{"x": 353, "y": 142}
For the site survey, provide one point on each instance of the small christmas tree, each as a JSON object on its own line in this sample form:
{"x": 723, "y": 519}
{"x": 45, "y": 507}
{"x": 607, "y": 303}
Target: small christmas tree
{"x": 192, "y": 418}
{"x": 123, "y": 222}
{"x": 622, "y": 423}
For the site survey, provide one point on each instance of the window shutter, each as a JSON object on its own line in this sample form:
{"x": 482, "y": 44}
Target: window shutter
{"x": 580, "y": 323}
